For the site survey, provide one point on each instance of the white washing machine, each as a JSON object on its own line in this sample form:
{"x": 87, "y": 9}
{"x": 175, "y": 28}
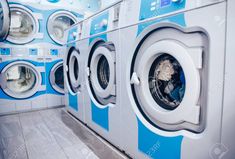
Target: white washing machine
{"x": 173, "y": 59}
{"x": 22, "y": 79}
{"x": 22, "y": 75}
{"x": 58, "y": 21}
{"x": 102, "y": 74}
{"x": 74, "y": 72}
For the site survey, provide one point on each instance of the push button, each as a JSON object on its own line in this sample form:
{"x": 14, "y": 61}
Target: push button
{"x": 54, "y": 52}
{"x": 33, "y": 51}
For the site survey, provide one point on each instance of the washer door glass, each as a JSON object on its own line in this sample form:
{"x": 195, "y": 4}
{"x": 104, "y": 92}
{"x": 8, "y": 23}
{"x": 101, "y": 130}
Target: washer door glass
{"x": 20, "y": 79}
{"x": 22, "y": 24}
{"x": 167, "y": 82}
{"x": 57, "y": 25}
{"x": 4, "y": 19}
{"x": 103, "y": 72}
{"x": 57, "y": 77}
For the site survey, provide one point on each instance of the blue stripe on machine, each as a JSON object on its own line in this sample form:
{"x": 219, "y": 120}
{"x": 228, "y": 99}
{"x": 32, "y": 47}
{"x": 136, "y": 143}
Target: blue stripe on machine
{"x": 73, "y": 102}
{"x": 100, "y": 116}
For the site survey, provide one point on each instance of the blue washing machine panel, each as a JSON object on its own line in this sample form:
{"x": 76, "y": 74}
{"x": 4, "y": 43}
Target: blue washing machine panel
{"x": 54, "y": 52}
{"x": 73, "y": 102}
{"x": 178, "y": 19}
{"x": 5, "y": 51}
{"x": 100, "y": 116}
{"x": 33, "y": 52}
{"x": 153, "y": 8}
{"x": 96, "y": 24}
{"x": 156, "y": 146}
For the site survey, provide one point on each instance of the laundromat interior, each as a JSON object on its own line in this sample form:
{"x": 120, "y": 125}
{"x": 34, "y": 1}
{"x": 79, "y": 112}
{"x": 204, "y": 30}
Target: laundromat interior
{"x": 117, "y": 79}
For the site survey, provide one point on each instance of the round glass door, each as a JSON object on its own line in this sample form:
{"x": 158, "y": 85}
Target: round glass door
{"x": 21, "y": 80}
{"x": 23, "y": 25}
{"x": 4, "y": 19}
{"x": 57, "y": 77}
{"x": 58, "y": 23}
{"x": 103, "y": 74}
{"x": 167, "y": 82}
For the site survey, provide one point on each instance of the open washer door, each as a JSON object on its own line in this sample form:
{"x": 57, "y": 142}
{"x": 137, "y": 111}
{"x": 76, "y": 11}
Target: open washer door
{"x": 103, "y": 74}
{"x": 166, "y": 78}
{"x": 4, "y": 19}
{"x": 73, "y": 66}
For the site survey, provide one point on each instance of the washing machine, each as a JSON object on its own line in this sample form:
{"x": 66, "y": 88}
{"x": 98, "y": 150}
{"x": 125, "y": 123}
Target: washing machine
{"x": 102, "y": 74}
{"x": 173, "y": 59}
{"x": 58, "y": 21}
{"x": 51, "y": 23}
{"x": 74, "y": 71}
{"x": 22, "y": 76}
{"x": 22, "y": 79}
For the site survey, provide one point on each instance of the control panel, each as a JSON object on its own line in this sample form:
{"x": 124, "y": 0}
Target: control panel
{"x": 99, "y": 23}
{"x": 54, "y": 52}
{"x": 152, "y": 8}
{"x": 5, "y": 51}
{"x": 33, "y": 52}
{"x": 72, "y": 34}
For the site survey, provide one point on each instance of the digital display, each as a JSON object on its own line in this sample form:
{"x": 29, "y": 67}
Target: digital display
{"x": 165, "y": 3}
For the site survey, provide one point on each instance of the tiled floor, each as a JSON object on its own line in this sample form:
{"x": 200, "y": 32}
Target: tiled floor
{"x": 50, "y": 134}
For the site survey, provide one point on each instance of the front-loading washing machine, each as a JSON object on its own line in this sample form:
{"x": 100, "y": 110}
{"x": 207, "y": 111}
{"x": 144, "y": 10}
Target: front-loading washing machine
{"x": 102, "y": 74}
{"x": 74, "y": 72}
{"x": 173, "y": 54}
{"x": 22, "y": 79}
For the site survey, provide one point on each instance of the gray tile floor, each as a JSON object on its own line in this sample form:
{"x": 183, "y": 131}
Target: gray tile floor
{"x": 50, "y": 134}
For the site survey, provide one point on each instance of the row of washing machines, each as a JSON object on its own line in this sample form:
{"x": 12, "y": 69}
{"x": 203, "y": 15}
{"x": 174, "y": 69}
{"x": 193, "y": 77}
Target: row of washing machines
{"x": 155, "y": 77}
{"x": 31, "y": 55}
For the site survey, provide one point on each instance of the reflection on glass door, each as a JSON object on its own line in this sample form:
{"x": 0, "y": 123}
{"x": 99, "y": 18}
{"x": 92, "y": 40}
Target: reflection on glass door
{"x": 22, "y": 24}
{"x": 59, "y": 77}
{"x": 20, "y": 79}
{"x": 58, "y": 23}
